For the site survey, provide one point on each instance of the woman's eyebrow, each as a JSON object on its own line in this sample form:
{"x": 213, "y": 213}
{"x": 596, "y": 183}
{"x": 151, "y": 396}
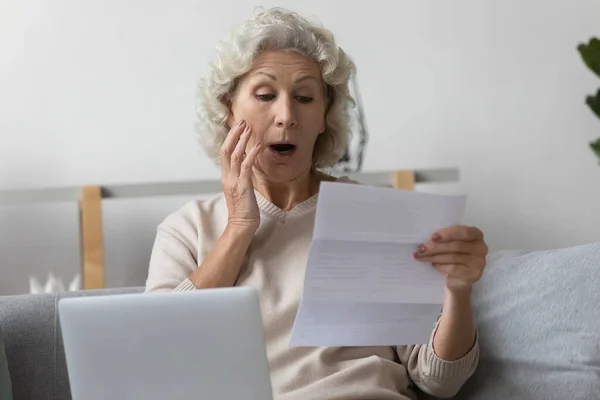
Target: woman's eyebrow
{"x": 274, "y": 78}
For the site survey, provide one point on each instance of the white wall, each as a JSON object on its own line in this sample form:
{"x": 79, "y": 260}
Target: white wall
{"x": 103, "y": 92}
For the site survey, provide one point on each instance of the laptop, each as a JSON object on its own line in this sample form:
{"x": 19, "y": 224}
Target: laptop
{"x": 202, "y": 344}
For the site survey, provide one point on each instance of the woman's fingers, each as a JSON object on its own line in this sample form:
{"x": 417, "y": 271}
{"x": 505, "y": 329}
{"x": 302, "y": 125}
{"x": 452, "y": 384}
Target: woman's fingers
{"x": 230, "y": 143}
{"x": 236, "y": 164}
{"x": 237, "y": 156}
{"x": 456, "y": 246}
{"x": 451, "y": 258}
{"x": 246, "y": 167}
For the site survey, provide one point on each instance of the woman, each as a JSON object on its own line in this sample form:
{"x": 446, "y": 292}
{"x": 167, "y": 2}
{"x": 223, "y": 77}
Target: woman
{"x": 273, "y": 111}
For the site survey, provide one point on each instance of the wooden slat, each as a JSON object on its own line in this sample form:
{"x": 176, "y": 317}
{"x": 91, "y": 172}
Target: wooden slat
{"x": 92, "y": 246}
{"x": 404, "y": 180}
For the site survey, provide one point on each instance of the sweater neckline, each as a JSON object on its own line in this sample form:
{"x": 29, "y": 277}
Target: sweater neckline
{"x": 271, "y": 209}
{"x": 265, "y": 205}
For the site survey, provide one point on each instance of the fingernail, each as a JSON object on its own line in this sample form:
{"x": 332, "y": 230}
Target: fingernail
{"x": 436, "y": 236}
{"x": 422, "y": 249}
{"x": 241, "y": 123}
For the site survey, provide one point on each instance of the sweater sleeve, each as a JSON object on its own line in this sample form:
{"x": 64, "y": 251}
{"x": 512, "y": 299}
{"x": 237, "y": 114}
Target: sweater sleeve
{"x": 174, "y": 256}
{"x": 433, "y": 375}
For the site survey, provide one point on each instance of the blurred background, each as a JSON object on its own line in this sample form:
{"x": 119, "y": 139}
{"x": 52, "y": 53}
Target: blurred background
{"x": 102, "y": 92}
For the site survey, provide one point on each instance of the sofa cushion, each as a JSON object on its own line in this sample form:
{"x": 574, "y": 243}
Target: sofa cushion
{"x": 5, "y": 384}
{"x": 34, "y": 346}
{"x": 538, "y": 315}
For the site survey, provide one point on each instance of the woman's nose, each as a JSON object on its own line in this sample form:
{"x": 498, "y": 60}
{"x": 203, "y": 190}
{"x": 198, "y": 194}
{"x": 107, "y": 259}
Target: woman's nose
{"x": 285, "y": 114}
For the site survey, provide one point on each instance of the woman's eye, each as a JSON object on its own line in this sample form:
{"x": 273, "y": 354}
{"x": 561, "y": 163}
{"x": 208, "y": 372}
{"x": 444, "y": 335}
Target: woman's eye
{"x": 265, "y": 97}
{"x": 304, "y": 99}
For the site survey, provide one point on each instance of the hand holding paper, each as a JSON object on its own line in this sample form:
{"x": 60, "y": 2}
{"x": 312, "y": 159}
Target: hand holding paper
{"x": 363, "y": 285}
{"x": 459, "y": 252}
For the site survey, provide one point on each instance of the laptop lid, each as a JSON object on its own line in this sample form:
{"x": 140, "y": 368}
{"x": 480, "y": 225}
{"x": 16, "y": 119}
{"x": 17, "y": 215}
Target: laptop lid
{"x": 202, "y": 344}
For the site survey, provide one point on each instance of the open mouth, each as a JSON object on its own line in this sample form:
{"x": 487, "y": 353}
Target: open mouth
{"x": 283, "y": 148}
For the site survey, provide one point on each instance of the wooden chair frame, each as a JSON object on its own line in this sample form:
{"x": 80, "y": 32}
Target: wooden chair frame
{"x": 92, "y": 238}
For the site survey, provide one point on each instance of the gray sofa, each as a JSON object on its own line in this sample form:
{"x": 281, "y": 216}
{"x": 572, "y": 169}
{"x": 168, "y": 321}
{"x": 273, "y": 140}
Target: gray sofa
{"x": 538, "y": 316}
{"x": 34, "y": 347}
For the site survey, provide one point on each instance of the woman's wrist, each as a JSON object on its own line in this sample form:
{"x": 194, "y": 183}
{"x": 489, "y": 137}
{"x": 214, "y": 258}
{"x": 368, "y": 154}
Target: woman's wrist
{"x": 456, "y": 330}
{"x": 239, "y": 231}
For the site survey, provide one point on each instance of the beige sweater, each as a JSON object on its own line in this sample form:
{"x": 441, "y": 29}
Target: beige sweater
{"x": 275, "y": 265}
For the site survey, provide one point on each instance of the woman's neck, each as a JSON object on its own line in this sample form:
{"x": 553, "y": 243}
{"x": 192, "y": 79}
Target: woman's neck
{"x": 287, "y": 195}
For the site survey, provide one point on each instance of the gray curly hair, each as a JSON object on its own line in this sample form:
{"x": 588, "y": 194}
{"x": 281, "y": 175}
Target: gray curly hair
{"x": 277, "y": 29}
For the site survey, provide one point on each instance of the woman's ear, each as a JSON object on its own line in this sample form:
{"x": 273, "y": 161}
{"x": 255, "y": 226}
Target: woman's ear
{"x": 230, "y": 119}
{"x": 328, "y": 104}
{"x": 322, "y": 131}
{"x": 226, "y": 100}
{"x": 323, "y": 123}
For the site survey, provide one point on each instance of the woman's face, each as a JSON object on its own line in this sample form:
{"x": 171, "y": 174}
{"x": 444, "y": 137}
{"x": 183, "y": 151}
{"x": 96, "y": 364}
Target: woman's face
{"x": 282, "y": 100}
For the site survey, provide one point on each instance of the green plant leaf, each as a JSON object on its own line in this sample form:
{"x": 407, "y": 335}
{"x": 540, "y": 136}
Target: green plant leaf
{"x": 596, "y": 147}
{"x": 590, "y": 53}
{"x": 594, "y": 103}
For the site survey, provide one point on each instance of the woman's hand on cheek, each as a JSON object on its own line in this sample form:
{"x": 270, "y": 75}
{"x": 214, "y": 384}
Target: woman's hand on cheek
{"x": 236, "y": 177}
{"x": 459, "y": 252}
